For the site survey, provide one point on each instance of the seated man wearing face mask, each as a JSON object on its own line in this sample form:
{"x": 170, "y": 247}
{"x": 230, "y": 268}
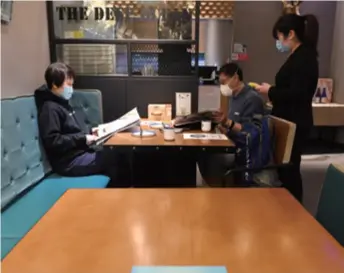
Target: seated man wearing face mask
{"x": 64, "y": 134}
{"x": 244, "y": 103}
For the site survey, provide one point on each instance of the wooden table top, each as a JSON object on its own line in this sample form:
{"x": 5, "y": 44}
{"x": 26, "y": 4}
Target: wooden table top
{"x": 126, "y": 139}
{"x": 111, "y": 230}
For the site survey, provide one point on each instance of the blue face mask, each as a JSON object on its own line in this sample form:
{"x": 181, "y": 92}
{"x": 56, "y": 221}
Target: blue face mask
{"x": 281, "y": 47}
{"x": 67, "y": 92}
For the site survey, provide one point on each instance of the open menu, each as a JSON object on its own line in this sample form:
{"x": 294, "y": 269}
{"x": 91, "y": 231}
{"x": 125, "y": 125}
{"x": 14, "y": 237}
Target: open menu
{"x": 195, "y": 118}
{"x": 127, "y": 121}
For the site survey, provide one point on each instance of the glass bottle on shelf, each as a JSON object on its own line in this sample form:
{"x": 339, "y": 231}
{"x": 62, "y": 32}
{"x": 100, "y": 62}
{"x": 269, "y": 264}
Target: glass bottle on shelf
{"x": 323, "y": 96}
{"x": 317, "y": 95}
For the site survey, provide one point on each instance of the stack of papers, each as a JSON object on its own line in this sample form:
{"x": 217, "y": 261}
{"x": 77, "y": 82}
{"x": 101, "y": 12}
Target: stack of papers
{"x": 106, "y": 130}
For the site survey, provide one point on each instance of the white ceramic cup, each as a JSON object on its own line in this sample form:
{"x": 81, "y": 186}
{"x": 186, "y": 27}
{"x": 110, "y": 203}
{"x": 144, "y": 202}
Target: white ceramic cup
{"x": 206, "y": 126}
{"x": 169, "y": 134}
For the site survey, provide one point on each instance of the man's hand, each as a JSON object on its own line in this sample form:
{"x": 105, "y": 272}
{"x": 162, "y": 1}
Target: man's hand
{"x": 90, "y": 139}
{"x": 95, "y": 131}
{"x": 220, "y": 118}
{"x": 222, "y": 129}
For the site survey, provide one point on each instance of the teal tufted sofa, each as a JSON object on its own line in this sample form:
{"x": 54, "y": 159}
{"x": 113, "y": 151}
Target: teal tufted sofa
{"x": 28, "y": 186}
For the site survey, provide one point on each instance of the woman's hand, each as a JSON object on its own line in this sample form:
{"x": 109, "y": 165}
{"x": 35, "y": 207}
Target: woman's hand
{"x": 263, "y": 88}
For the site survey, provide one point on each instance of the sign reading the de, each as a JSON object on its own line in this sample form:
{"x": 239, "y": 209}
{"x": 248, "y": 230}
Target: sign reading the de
{"x": 99, "y": 13}
{"x": 80, "y": 13}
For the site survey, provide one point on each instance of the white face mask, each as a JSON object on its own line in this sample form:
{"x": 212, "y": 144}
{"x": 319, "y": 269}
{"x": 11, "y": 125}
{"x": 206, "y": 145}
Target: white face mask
{"x": 226, "y": 90}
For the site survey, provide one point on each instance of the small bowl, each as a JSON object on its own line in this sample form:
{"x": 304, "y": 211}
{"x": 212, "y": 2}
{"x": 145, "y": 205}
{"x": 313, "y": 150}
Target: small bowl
{"x": 156, "y": 125}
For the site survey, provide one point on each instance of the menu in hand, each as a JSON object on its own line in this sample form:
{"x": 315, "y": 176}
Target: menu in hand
{"x": 106, "y": 130}
{"x": 195, "y": 119}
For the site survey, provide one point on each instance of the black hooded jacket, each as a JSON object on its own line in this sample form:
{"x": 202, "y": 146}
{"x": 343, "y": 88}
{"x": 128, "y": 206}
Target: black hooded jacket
{"x": 61, "y": 130}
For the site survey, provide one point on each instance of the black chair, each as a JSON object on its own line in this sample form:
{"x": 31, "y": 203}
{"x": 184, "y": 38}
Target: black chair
{"x": 282, "y": 135}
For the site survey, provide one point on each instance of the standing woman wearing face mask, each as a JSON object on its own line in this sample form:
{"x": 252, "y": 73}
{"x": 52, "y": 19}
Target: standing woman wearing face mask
{"x": 295, "y": 84}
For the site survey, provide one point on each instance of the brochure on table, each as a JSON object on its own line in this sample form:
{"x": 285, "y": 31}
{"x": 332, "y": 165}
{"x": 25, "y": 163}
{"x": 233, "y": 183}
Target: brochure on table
{"x": 106, "y": 130}
{"x": 204, "y": 136}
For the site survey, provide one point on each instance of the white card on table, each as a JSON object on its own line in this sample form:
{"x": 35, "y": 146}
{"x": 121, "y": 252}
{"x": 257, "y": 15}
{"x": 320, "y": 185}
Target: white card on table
{"x": 183, "y": 104}
{"x": 205, "y": 136}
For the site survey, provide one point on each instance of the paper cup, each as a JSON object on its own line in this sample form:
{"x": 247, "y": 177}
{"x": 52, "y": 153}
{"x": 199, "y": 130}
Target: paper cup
{"x": 206, "y": 126}
{"x": 169, "y": 134}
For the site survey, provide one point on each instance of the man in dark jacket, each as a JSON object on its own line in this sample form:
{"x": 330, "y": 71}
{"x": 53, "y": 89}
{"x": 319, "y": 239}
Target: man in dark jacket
{"x": 63, "y": 131}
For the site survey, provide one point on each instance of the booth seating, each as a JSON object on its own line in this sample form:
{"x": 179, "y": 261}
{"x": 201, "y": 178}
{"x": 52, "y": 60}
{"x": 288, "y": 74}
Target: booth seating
{"x": 29, "y": 188}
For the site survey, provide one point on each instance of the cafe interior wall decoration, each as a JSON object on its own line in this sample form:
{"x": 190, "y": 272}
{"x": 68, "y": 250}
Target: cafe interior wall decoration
{"x": 208, "y": 9}
{"x": 216, "y": 9}
{"x": 291, "y": 7}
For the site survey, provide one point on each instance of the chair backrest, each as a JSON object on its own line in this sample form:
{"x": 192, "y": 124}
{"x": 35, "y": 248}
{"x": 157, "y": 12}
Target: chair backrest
{"x": 90, "y": 102}
{"x": 23, "y": 160}
{"x": 331, "y": 203}
{"x": 283, "y": 133}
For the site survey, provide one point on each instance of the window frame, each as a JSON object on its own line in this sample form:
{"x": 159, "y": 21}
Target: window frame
{"x": 54, "y": 41}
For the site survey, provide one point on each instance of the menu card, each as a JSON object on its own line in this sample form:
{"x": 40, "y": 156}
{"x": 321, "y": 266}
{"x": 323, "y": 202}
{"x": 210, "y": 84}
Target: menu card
{"x": 183, "y": 104}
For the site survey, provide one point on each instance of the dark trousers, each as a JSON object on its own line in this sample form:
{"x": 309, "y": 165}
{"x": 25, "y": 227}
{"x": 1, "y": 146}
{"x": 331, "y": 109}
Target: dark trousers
{"x": 291, "y": 176}
{"x": 213, "y": 168}
{"x": 100, "y": 162}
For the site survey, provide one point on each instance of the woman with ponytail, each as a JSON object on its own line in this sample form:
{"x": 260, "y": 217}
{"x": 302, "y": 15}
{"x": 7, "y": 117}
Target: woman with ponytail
{"x": 295, "y": 84}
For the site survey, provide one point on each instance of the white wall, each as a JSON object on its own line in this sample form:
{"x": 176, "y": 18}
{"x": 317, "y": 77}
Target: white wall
{"x": 24, "y": 49}
{"x": 337, "y": 64}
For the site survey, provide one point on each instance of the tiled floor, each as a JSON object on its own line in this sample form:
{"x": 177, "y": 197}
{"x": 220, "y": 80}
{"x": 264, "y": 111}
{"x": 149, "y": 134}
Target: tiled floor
{"x": 313, "y": 169}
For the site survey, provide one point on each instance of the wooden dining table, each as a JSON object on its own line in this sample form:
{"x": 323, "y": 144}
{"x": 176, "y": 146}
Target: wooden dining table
{"x": 155, "y": 162}
{"x": 125, "y": 139}
{"x": 112, "y": 230}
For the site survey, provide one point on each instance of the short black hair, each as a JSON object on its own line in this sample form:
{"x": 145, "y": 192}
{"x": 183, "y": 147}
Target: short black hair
{"x": 56, "y": 74}
{"x": 230, "y": 69}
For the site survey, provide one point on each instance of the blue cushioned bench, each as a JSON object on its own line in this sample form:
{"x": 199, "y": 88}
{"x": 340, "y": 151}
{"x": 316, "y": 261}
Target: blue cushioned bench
{"x": 28, "y": 186}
